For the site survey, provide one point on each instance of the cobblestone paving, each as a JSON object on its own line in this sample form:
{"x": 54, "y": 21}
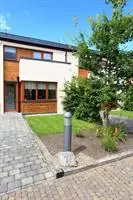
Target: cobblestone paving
{"x": 108, "y": 182}
{"x": 21, "y": 160}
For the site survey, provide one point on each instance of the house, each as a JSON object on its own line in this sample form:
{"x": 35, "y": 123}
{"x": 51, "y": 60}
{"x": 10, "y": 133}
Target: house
{"x": 33, "y": 73}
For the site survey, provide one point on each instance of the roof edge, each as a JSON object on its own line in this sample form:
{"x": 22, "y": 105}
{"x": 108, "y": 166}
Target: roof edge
{"x": 35, "y": 42}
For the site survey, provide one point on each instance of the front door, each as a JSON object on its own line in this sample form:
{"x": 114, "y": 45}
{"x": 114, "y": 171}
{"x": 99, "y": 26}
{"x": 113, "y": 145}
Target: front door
{"x": 10, "y": 97}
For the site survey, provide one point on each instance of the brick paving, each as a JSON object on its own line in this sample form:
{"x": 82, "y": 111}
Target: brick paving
{"x": 21, "y": 159}
{"x": 108, "y": 182}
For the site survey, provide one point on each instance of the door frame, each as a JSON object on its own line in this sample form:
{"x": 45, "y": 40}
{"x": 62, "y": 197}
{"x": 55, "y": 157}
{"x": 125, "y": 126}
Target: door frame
{"x": 16, "y": 95}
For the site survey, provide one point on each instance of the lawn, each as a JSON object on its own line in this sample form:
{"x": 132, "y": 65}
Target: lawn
{"x": 53, "y": 124}
{"x": 123, "y": 113}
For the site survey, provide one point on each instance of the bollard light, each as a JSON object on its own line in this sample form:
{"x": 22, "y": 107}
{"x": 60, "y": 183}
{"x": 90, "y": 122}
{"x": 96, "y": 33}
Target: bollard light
{"x": 67, "y": 131}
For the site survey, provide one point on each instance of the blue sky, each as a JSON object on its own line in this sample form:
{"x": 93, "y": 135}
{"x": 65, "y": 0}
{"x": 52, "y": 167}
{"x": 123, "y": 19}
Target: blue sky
{"x": 50, "y": 19}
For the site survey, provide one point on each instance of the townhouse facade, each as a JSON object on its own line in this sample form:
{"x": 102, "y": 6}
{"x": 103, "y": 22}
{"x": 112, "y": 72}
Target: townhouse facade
{"x": 33, "y": 73}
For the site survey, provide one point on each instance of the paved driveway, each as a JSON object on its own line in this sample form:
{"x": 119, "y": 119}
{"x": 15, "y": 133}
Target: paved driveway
{"x": 21, "y": 159}
{"x": 108, "y": 182}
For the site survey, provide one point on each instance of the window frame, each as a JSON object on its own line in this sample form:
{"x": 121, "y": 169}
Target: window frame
{"x": 30, "y": 100}
{"x": 55, "y": 90}
{"x": 36, "y": 97}
{"x": 37, "y": 52}
{"x": 42, "y": 55}
{"x": 11, "y": 47}
{"x": 47, "y": 52}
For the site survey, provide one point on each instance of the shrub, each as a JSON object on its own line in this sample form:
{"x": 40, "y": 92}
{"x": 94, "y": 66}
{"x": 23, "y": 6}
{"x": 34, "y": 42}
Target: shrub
{"x": 119, "y": 132}
{"x": 109, "y": 143}
{"x": 128, "y": 99}
{"x": 83, "y": 98}
{"x": 110, "y": 135}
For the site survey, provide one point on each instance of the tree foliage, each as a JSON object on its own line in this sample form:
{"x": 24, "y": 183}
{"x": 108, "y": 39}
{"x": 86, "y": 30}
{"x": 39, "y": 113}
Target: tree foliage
{"x": 117, "y": 3}
{"x": 83, "y": 98}
{"x": 113, "y": 66}
{"x": 128, "y": 99}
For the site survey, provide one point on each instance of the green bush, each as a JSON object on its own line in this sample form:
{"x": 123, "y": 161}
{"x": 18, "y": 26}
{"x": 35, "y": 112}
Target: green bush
{"x": 128, "y": 99}
{"x": 109, "y": 143}
{"x": 117, "y": 131}
{"x": 83, "y": 98}
{"x": 111, "y": 135}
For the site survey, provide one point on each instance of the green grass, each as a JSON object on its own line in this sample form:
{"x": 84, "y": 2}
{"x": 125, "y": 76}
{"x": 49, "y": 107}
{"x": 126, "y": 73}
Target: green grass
{"x": 53, "y": 124}
{"x": 123, "y": 113}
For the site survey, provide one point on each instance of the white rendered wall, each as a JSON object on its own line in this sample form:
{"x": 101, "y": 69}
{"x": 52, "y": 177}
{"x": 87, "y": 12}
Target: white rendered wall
{"x": 34, "y": 70}
{"x": 1, "y": 80}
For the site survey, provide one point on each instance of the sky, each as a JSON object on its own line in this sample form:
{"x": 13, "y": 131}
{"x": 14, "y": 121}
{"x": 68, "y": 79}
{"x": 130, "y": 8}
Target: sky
{"x": 51, "y": 19}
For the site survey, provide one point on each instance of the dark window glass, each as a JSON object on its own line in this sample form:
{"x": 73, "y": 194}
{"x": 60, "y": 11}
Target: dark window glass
{"x": 30, "y": 91}
{"x": 37, "y": 55}
{"x": 41, "y": 91}
{"x": 10, "y": 53}
{"x": 47, "y": 56}
{"x": 52, "y": 91}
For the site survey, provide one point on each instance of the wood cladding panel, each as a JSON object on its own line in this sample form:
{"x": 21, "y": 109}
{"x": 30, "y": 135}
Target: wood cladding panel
{"x": 11, "y": 70}
{"x": 83, "y": 72}
{"x": 27, "y": 53}
{"x": 39, "y": 107}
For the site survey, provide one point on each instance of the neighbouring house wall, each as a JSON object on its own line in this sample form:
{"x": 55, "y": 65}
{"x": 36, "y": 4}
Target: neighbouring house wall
{"x": 83, "y": 72}
{"x": 1, "y": 80}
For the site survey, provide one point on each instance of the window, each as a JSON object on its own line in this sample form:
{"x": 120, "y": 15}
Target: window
{"x": 41, "y": 91}
{"x": 52, "y": 91}
{"x": 47, "y": 56}
{"x": 10, "y": 53}
{"x": 30, "y": 91}
{"x": 37, "y": 55}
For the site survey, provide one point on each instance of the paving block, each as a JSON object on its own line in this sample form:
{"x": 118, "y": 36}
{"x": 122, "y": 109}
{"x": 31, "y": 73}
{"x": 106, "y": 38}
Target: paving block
{"x": 39, "y": 177}
{"x": 26, "y": 181}
{"x": 13, "y": 185}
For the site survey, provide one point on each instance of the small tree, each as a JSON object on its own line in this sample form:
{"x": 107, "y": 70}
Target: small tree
{"x": 109, "y": 63}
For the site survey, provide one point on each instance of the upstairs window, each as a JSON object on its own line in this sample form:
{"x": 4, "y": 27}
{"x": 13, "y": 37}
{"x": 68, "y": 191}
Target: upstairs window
{"x": 10, "y": 53}
{"x": 47, "y": 56}
{"x": 52, "y": 91}
{"x": 37, "y": 55}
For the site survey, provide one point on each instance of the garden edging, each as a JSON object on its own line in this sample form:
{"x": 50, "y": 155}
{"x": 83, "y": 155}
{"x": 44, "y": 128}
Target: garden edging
{"x": 99, "y": 162}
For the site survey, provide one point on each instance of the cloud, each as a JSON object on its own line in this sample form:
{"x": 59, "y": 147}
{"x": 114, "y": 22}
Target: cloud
{"x": 3, "y": 22}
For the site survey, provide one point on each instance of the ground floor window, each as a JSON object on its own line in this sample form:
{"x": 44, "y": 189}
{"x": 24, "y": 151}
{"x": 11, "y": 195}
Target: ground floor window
{"x": 30, "y": 91}
{"x": 51, "y": 91}
{"x": 39, "y": 91}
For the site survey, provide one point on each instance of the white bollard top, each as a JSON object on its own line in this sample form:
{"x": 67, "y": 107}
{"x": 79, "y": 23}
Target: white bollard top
{"x": 67, "y": 115}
